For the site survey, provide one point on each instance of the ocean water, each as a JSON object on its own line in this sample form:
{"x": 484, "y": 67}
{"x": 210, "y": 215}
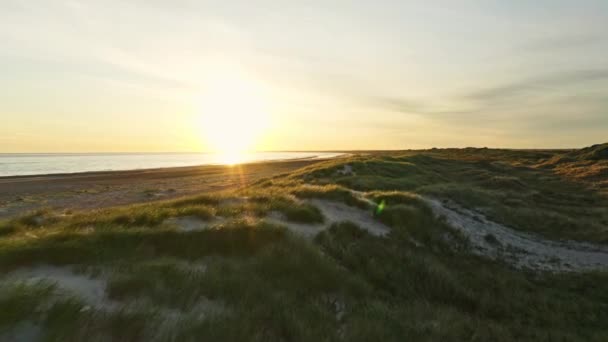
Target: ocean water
{"x": 39, "y": 164}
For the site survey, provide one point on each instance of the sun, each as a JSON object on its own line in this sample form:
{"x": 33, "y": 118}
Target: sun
{"x": 234, "y": 115}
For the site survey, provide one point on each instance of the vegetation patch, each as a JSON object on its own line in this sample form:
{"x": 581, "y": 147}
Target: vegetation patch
{"x": 329, "y": 192}
{"x": 250, "y": 279}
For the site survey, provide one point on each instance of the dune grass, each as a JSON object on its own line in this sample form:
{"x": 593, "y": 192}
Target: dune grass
{"x": 510, "y": 187}
{"x": 248, "y": 280}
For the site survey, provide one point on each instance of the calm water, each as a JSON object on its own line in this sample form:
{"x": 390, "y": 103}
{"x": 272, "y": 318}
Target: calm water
{"x": 36, "y": 164}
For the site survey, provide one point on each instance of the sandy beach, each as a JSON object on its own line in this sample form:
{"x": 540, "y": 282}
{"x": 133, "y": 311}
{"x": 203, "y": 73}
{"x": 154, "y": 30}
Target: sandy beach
{"x": 94, "y": 190}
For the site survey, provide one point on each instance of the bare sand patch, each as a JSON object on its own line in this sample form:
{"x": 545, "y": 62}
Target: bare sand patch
{"x": 305, "y": 229}
{"x": 336, "y": 212}
{"x": 333, "y": 212}
{"x": 91, "y": 290}
{"x": 192, "y": 223}
{"x": 522, "y": 250}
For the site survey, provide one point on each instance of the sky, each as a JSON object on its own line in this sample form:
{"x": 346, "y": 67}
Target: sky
{"x": 152, "y": 76}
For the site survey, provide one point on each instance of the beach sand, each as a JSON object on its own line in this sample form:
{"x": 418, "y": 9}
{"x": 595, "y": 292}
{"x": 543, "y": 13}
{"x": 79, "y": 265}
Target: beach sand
{"x": 21, "y": 194}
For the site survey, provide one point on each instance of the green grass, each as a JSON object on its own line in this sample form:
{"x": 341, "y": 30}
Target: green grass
{"x": 329, "y": 192}
{"x": 20, "y": 302}
{"x": 293, "y": 210}
{"x": 148, "y": 215}
{"x": 65, "y": 321}
{"x": 510, "y": 187}
{"x": 263, "y": 283}
{"x": 464, "y": 297}
{"x": 66, "y": 247}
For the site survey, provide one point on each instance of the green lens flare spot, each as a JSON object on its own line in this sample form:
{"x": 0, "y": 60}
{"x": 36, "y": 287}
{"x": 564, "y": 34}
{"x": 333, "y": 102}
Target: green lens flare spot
{"x": 380, "y": 207}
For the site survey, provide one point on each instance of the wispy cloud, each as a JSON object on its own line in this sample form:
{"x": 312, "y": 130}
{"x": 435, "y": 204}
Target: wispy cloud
{"x": 548, "y": 83}
{"x": 560, "y": 42}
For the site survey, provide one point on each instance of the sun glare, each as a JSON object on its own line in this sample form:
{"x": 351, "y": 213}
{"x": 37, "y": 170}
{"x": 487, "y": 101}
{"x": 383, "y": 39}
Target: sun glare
{"x": 234, "y": 115}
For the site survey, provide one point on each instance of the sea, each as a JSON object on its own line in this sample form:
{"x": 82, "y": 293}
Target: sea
{"x": 22, "y": 164}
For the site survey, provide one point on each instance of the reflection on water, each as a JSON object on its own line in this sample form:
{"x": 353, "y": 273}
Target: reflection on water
{"x": 35, "y": 164}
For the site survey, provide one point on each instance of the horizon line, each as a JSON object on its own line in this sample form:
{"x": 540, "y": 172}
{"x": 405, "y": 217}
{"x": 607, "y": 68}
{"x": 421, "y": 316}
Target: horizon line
{"x": 305, "y": 151}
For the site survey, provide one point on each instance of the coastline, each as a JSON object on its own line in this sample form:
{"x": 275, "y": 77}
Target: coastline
{"x": 37, "y": 165}
{"x": 102, "y": 189}
{"x": 157, "y": 169}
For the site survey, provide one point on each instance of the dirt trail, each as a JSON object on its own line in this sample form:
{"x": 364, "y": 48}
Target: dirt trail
{"x": 520, "y": 249}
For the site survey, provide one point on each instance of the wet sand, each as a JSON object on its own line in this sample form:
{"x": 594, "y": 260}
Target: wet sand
{"x": 20, "y": 194}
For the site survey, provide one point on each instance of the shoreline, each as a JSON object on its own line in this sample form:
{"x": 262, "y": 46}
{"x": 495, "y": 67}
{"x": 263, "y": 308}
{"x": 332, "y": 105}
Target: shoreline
{"x": 155, "y": 169}
{"x": 102, "y": 189}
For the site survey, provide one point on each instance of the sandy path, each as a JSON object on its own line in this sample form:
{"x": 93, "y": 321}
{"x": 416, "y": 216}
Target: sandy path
{"x": 520, "y": 249}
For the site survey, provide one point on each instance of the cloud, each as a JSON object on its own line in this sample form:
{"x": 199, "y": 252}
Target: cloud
{"x": 568, "y": 102}
{"x": 535, "y": 85}
{"x": 563, "y": 42}
{"x": 416, "y": 106}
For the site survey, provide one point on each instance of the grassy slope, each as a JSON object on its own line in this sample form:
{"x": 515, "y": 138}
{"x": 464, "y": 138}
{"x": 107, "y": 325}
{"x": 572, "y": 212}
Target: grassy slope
{"x": 512, "y": 187}
{"x": 343, "y": 285}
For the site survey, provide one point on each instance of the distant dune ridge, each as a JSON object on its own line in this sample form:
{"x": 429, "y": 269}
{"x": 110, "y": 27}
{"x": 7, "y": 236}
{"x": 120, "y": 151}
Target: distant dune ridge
{"x": 588, "y": 164}
{"x": 595, "y": 152}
